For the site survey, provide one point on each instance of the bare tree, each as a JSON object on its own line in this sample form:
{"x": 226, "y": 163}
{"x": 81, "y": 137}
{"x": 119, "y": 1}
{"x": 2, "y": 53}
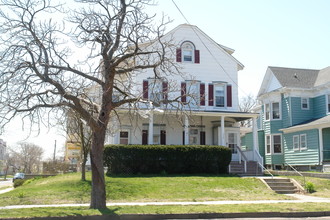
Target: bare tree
{"x": 27, "y": 157}
{"x": 40, "y": 74}
{"x": 246, "y": 104}
{"x": 79, "y": 133}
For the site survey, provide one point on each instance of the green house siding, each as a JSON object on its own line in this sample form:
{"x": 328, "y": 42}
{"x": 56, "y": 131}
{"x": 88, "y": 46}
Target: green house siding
{"x": 326, "y": 144}
{"x": 301, "y": 115}
{"x": 261, "y": 139}
{"x": 267, "y": 127}
{"x": 286, "y": 117}
{"x": 277, "y": 159}
{"x": 310, "y": 156}
{"x": 319, "y": 106}
{"x": 275, "y": 125}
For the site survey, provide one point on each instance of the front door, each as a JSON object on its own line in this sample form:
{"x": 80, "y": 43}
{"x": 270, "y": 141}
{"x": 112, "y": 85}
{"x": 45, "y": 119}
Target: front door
{"x": 232, "y": 143}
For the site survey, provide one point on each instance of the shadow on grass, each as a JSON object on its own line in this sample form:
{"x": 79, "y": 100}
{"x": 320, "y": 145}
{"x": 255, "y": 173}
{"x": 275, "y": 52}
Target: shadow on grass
{"x": 108, "y": 211}
{"x": 167, "y": 175}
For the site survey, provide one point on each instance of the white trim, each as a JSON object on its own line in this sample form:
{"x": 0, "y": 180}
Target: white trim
{"x": 273, "y": 144}
{"x": 303, "y": 148}
{"x": 128, "y": 137}
{"x": 293, "y": 142}
{"x": 279, "y": 111}
{"x": 327, "y": 96}
{"x": 270, "y": 144}
{"x": 265, "y": 111}
{"x": 301, "y": 102}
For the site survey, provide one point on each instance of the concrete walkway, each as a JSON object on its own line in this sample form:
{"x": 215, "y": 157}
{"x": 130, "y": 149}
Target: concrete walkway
{"x": 299, "y": 199}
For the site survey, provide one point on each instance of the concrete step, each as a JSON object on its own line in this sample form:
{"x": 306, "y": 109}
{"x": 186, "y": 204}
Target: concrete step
{"x": 281, "y": 185}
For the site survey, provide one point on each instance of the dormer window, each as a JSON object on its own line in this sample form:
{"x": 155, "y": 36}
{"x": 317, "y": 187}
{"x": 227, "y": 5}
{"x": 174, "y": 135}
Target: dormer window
{"x": 187, "y": 53}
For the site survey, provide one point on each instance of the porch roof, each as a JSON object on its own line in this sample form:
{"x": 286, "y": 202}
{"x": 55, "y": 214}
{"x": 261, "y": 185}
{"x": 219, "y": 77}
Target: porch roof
{"x": 308, "y": 125}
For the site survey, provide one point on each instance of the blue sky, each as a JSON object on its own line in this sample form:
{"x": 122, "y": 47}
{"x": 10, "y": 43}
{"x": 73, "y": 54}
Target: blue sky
{"x": 286, "y": 33}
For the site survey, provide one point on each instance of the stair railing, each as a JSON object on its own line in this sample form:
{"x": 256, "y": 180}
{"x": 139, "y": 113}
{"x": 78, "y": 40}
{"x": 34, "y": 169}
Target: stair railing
{"x": 265, "y": 169}
{"x": 242, "y": 157}
{"x": 300, "y": 174}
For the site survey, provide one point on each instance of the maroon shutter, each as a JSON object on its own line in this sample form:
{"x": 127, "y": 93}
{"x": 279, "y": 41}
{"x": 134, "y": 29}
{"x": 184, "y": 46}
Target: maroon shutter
{"x": 178, "y": 55}
{"x": 196, "y": 56}
{"x": 183, "y": 138}
{"x": 202, "y": 94}
{"x": 183, "y": 92}
{"x": 202, "y": 137}
{"x": 165, "y": 90}
{"x": 210, "y": 94}
{"x": 144, "y": 137}
{"x": 163, "y": 137}
{"x": 145, "y": 89}
{"x": 229, "y": 96}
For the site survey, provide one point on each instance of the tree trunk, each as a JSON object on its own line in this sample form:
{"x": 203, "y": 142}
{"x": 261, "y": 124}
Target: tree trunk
{"x": 83, "y": 169}
{"x": 98, "y": 195}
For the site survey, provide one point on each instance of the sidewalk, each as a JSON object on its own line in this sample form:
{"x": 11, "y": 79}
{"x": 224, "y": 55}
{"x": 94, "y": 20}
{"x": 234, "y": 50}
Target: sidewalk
{"x": 299, "y": 199}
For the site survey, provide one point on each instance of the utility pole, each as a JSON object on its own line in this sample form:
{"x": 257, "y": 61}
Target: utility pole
{"x": 54, "y": 152}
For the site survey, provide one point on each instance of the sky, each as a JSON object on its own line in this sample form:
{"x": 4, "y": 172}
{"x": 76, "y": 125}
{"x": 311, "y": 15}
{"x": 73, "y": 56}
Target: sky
{"x": 284, "y": 33}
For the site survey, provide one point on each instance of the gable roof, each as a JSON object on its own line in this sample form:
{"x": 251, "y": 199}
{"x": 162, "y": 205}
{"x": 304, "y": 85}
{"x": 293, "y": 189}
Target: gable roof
{"x": 228, "y": 51}
{"x": 295, "y": 78}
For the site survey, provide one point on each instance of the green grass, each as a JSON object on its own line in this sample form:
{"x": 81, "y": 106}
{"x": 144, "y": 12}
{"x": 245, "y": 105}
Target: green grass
{"x": 117, "y": 210}
{"x": 322, "y": 186}
{"x": 68, "y": 189}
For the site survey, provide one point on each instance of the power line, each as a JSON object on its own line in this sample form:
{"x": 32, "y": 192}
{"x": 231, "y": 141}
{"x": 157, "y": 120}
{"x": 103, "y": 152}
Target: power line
{"x": 208, "y": 49}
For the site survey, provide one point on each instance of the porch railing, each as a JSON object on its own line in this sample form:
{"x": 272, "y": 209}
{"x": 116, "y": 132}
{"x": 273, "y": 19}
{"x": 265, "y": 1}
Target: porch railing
{"x": 241, "y": 157}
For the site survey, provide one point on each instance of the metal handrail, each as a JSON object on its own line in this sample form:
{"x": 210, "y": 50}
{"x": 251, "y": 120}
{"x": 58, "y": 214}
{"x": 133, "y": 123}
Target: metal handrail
{"x": 298, "y": 173}
{"x": 244, "y": 157}
{"x": 265, "y": 169}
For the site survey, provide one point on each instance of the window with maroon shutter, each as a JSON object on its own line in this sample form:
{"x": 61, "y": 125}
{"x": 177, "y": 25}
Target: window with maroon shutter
{"x": 196, "y": 56}
{"x": 178, "y": 55}
{"x": 183, "y": 92}
{"x": 202, "y": 94}
{"x": 211, "y": 95}
{"x": 145, "y": 89}
{"x": 229, "y": 96}
{"x": 165, "y": 90}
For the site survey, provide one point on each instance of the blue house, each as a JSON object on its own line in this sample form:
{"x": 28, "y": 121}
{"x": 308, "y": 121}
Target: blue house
{"x": 294, "y": 122}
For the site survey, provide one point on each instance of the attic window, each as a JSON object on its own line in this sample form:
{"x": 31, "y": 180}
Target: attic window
{"x": 187, "y": 52}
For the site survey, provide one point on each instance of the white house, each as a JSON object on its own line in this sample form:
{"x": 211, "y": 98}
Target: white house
{"x": 207, "y": 90}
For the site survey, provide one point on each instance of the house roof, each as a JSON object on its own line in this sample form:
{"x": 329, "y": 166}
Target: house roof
{"x": 296, "y": 78}
{"x": 311, "y": 124}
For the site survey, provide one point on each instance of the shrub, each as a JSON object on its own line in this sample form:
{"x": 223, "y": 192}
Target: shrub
{"x": 18, "y": 182}
{"x": 309, "y": 186}
{"x": 170, "y": 159}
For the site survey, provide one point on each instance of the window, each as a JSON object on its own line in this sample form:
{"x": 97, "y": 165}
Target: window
{"x": 303, "y": 142}
{"x": 193, "y": 93}
{"x": 296, "y": 142}
{"x": 193, "y": 136}
{"x": 123, "y": 139}
{"x": 219, "y": 95}
{"x": 277, "y": 144}
{"x": 328, "y": 99}
{"x": 276, "y": 110}
{"x": 187, "y": 52}
{"x": 267, "y": 112}
{"x": 305, "y": 103}
{"x": 268, "y": 144}
{"x": 155, "y": 90}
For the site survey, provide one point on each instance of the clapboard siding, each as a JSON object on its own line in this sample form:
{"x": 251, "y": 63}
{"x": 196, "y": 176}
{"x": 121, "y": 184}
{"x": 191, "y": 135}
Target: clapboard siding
{"x": 319, "y": 103}
{"x": 300, "y": 115}
{"x": 286, "y": 116}
{"x": 310, "y": 156}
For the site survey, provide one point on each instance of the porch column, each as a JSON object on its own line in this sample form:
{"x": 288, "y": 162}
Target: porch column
{"x": 151, "y": 128}
{"x": 321, "y": 145}
{"x": 186, "y": 130}
{"x": 255, "y": 136}
{"x": 223, "y": 139}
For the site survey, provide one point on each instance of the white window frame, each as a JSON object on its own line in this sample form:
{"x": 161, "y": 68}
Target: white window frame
{"x": 224, "y": 86}
{"x": 305, "y": 142}
{"x": 280, "y": 143}
{"x": 188, "y": 47}
{"x": 270, "y": 144}
{"x": 155, "y": 90}
{"x": 267, "y": 114}
{"x": 296, "y": 143}
{"x": 279, "y": 111}
{"x": 302, "y": 103}
{"x": 193, "y": 135}
{"x": 193, "y": 97}
{"x": 128, "y": 136}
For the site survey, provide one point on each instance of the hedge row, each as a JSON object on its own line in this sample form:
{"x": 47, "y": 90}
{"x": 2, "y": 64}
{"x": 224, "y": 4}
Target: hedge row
{"x": 172, "y": 159}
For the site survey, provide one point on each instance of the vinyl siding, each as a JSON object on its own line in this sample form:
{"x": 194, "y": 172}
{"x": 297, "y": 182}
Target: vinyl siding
{"x": 326, "y": 144}
{"x": 286, "y": 117}
{"x": 319, "y": 104}
{"x": 310, "y": 156}
{"x": 275, "y": 125}
{"x": 261, "y": 139}
{"x": 301, "y": 115}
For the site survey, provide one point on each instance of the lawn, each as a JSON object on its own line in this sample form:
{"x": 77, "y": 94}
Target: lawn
{"x": 68, "y": 188}
{"x": 322, "y": 186}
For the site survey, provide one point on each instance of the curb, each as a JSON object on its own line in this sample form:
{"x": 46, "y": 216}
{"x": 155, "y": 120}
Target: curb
{"x": 185, "y": 216}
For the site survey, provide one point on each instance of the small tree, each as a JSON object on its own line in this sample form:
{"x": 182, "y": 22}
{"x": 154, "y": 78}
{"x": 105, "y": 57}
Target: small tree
{"x": 246, "y": 104}
{"x": 40, "y": 74}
